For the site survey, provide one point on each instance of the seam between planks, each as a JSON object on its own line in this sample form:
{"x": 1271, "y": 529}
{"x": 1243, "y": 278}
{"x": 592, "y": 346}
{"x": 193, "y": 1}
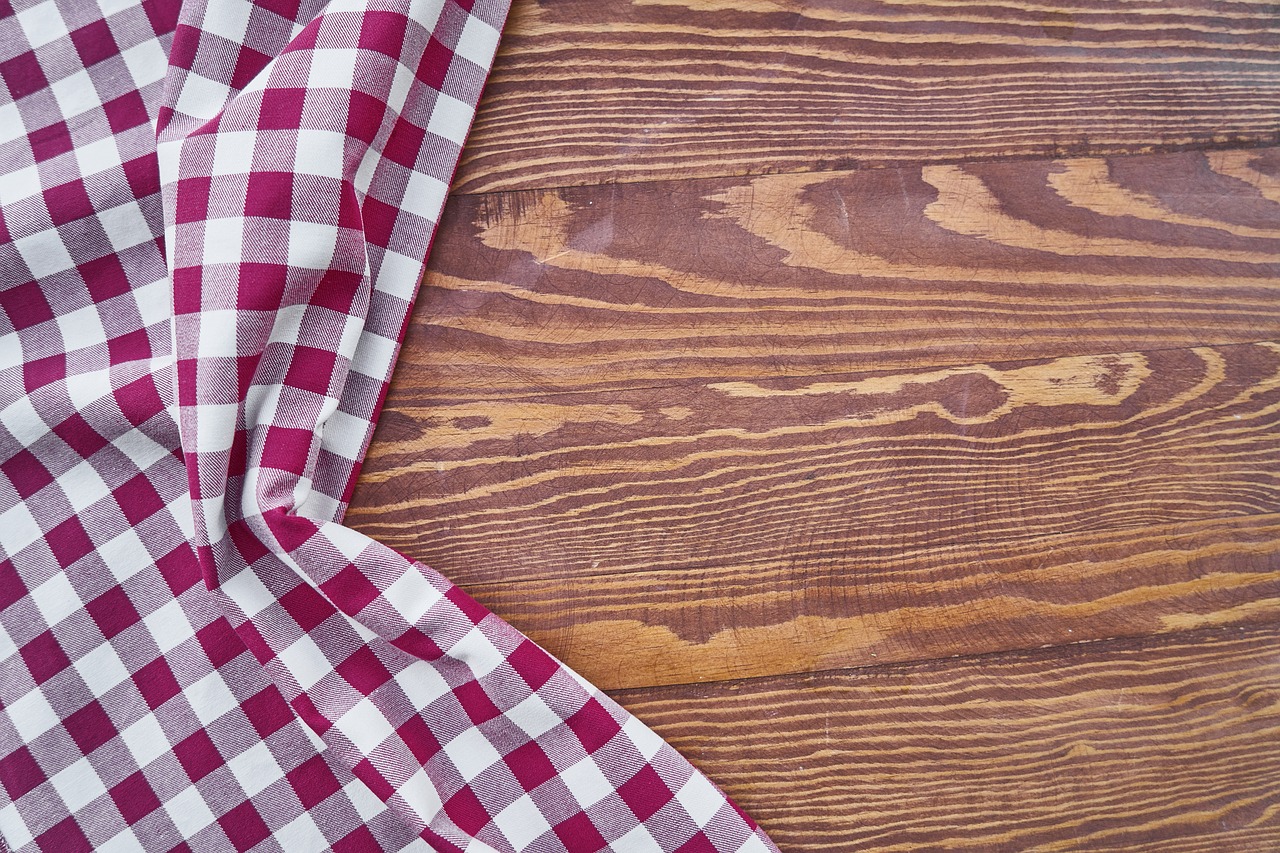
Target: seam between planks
{"x": 854, "y": 165}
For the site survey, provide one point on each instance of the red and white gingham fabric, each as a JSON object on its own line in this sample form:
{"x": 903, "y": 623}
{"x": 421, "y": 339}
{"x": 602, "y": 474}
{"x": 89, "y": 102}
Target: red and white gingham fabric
{"x": 213, "y": 219}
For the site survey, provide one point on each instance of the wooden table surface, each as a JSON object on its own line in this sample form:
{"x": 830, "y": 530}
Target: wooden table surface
{"x": 881, "y": 399}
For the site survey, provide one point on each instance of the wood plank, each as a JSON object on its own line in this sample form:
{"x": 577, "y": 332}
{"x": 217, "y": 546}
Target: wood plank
{"x": 805, "y": 275}
{"x": 811, "y": 612}
{"x": 1155, "y": 746}
{"x": 590, "y": 92}
{"x": 840, "y": 471}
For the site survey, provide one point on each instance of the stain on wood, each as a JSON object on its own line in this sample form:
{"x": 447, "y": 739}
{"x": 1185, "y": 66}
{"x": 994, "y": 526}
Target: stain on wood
{"x": 1168, "y": 745}
{"x": 589, "y": 92}
{"x": 804, "y": 275}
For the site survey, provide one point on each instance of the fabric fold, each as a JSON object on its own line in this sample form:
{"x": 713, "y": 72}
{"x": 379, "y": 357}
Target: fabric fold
{"x": 215, "y": 217}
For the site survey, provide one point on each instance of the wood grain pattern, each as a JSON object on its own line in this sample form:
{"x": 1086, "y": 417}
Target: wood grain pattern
{"x": 748, "y": 529}
{"x": 931, "y": 506}
{"x": 625, "y": 440}
{"x": 805, "y": 275}
{"x": 590, "y": 92}
{"x": 843, "y": 470}
{"x": 1156, "y": 746}
{"x": 805, "y": 612}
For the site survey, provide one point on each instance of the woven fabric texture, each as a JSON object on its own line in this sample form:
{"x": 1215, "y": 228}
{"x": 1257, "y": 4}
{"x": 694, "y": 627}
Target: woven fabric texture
{"x": 213, "y": 221}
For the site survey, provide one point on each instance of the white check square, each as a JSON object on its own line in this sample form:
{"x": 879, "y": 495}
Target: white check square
{"x": 218, "y": 333}
{"x": 478, "y": 42}
{"x": 189, "y": 812}
{"x": 586, "y": 782}
{"x": 125, "y": 226}
{"x": 249, "y": 593}
{"x": 638, "y": 840}
{"x": 122, "y": 842}
{"x": 145, "y": 740}
{"x": 365, "y": 726}
{"x": 227, "y": 19}
{"x": 644, "y": 739}
{"x": 425, "y": 196}
{"x": 154, "y": 301}
{"x": 534, "y": 716}
{"x": 32, "y": 715}
{"x": 305, "y": 662}
{"x": 44, "y": 252}
{"x": 426, "y": 12}
{"x": 234, "y": 153}
{"x": 477, "y": 652}
{"x": 147, "y": 62}
{"x": 412, "y": 595}
{"x": 522, "y": 822}
{"x": 41, "y": 23}
{"x": 302, "y": 835}
{"x": 210, "y": 697}
{"x": 55, "y": 598}
{"x": 96, "y": 156}
{"x": 398, "y": 275}
{"x": 20, "y": 183}
{"x": 311, "y": 245}
{"x": 422, "y": 683}
{"x": 101, "y": 669}
{"x": 255, "y": 769}
{"x": 450, "y": 118}
{"x": 82, "y": 329}
{"x": 75, "y": 93}
{"x": 13, "y": 829}
{"x": 700, "y": 799}
{"x": 223, "y": 240}
{"x": 334, "y": 69}
{"x": 200, "y": 97}
{"x": 215, "y": 427}
{"x": 471, "y": 753}
{"x": 125, "y": 555}
{"x": 344, "y": 434}
{"x": 421, "y": 795}
{"x": 11, "y": 126}
{"x": 320, "y": 152}
{"x": 374, "y": 356}
{"x": 78, "y": 785}
{"x": 87, "y": 388}
{"x": 168, "y": 626}
{"x": 83, "y": 486}
{"x": 18, "y": 529}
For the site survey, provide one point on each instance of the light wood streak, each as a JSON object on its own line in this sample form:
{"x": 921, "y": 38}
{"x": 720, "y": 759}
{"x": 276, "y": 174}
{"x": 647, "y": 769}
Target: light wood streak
{"x": 805, "y": 275}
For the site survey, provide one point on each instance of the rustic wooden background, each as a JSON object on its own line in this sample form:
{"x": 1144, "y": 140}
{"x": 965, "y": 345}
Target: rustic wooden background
{"x": 882, "y": 400}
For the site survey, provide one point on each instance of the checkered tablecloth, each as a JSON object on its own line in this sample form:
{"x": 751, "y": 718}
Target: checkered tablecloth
{"x": 213, "y": 220}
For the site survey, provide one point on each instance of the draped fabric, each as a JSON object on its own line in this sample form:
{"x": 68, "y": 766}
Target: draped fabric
{"x": 213, "y": 221}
